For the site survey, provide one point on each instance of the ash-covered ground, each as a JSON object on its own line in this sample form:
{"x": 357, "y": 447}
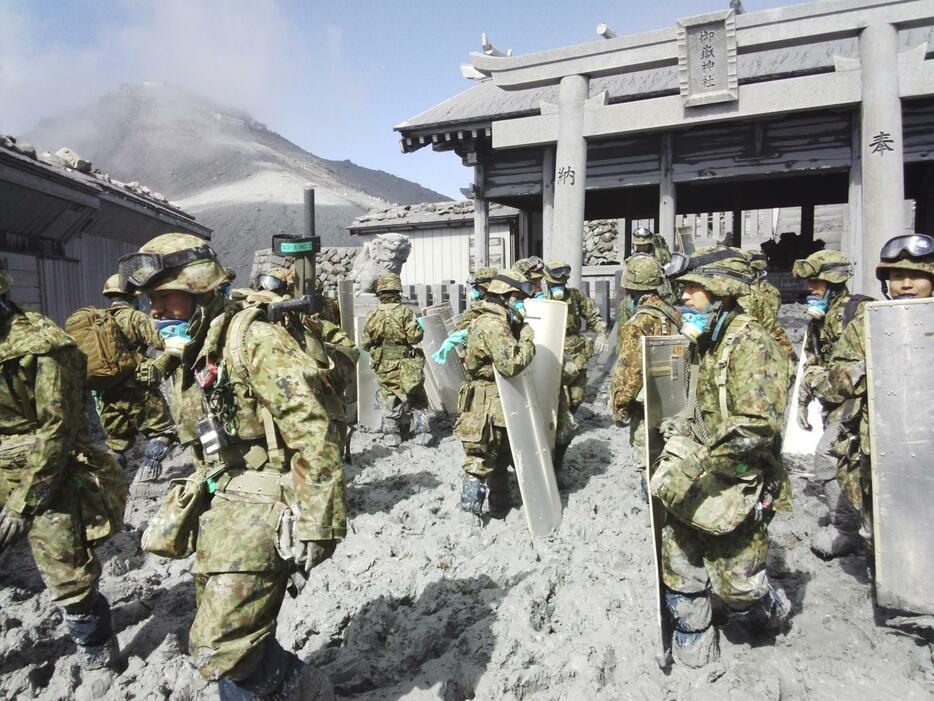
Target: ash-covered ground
{"x": 418, "y": 603}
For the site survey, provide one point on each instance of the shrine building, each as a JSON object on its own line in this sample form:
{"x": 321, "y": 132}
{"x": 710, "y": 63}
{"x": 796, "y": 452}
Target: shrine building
{"x": 827, "y": 103}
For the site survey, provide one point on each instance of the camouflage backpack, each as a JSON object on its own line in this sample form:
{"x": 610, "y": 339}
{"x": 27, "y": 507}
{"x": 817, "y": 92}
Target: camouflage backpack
{"x": 111, "y": 359}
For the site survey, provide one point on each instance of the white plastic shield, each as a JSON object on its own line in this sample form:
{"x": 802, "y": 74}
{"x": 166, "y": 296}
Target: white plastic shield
{"x": 899, "y": 356}
{"x": 797, "y": 441}
{"x": 531, "y": 454}
{"x": 345, "y": 302}
{"x": 665, "y": 377}
{"x": 548, "y": 320}
{"x": 448, "y": 377}
{"x": 369, "y": 411}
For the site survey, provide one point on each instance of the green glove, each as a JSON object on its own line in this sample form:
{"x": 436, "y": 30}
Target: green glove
{"x": 450, "y": 343}
{"x": 421, "y": 322}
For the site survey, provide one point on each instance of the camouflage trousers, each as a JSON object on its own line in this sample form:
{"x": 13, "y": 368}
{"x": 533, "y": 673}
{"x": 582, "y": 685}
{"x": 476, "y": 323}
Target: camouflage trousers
{"x": 236, "y": 616}
{"x": 128, "y": 411}
{"x": 731, "y": 565}
{"x": 68, "y": 565}
{"x": 489, "y": 458}
{"x": 240, "y": 583}
{"x": 576, "y": 390}
{"x": 566, "y": 427}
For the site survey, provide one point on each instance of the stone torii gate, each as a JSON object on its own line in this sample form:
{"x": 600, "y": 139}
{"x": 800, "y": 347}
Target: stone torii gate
{"x": 864, "y": 58}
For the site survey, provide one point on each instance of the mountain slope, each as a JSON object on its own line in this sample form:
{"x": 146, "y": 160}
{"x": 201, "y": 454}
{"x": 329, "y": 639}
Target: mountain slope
{"x": 235, "y": 175}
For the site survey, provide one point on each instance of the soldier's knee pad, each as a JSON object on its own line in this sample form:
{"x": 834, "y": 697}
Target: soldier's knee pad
{"x": 690, "y": 613}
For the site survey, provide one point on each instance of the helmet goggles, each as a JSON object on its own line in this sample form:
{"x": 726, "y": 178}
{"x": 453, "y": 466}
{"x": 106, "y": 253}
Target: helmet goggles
{"x": 526, "y": 287}
{"x": 559, "y": 272}
{"x": 271, "y": 283}
{"x": 908, "y": 246}
{"x": 137, "y": 269}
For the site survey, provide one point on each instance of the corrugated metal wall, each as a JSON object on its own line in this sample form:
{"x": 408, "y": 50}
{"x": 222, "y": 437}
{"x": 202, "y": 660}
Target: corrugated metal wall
{"x": 25, "y": 274}
{"x": 69, "y": 284}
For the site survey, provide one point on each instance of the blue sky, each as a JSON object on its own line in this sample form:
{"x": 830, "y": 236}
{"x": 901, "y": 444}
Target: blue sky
{"x": 333, "y": 77}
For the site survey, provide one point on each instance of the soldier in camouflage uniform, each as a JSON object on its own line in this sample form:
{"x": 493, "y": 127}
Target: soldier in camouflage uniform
{"x": 650, "y": 316}
{"x": 478, "y": 281}
{"x": 764, "y": 302}
{"x": 577, "y": 349}
{"x": 390, "y": 335}
{"x": 742, "y": 385}
{"x": 498, "y": 338}
{"x": 68, "y": 493}
{"x": 137, "y": 405}
{"x": 325, "y": 342}
{"x": 644, "y": 241}
{"x": 906, "y": 271}
{"x": 249, "y": 402}
{"x": 533, "y": 270}
{"x": 329, "y": 309}
{"x": 831, "y": 308}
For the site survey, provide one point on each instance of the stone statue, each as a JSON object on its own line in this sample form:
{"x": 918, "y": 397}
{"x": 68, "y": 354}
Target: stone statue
{"x": 384, "y": 254}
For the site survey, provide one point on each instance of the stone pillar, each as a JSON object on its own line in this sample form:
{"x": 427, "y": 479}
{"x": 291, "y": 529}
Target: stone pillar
{"x": 567, "y": 238}
{"x": 667, "y": 204}
{"x": 851, "y": 241}
{"x": 883, "y": 175}
{"x": 548, "y": 201}
{"x": 481, "y": 222}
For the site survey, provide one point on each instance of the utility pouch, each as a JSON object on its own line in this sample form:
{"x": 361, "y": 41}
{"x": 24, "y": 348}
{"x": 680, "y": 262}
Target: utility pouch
{"x": 14, "y": 452}
{"x": 173, "y": 531}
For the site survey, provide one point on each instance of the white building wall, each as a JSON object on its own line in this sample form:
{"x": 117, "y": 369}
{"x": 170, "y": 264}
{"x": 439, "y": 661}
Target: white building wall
{"x": 445, "y": 253}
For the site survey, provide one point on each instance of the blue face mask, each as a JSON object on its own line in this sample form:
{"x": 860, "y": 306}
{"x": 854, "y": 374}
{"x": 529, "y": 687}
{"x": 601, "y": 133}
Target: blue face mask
{"x": 558, "y": 293}
{"x": 518, "y": 306}
{"x": 172, "y": 328}
{"x": 817, "y": 306}
{"x": 694, "y": 323}
{"x": 475, "y": 294}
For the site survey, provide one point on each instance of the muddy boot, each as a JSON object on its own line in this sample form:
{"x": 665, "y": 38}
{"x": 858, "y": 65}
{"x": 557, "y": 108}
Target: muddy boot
{"x": 280, "y": 676}
{"x": 768, "y": 615}
{"x": 829, "y": 543}
{"x": 499, "y": 495}
{"x": 391, "y": 433}
{"x": 695, "y": 642}
{"x": 558, "y": 455}
{"x": 473, "y": 492}
{"x": 98, "y": 651}
{"x": 421, "y": 427}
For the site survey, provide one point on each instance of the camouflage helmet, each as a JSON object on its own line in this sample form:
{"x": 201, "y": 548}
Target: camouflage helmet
{"x": 506, "y": 282}
{"x": 642, "y": 236}
{"x": 830, "y": 266}
{"x": 758, "y": 260}
{"x": 6, "y": 281}
{"x": 389, "y": 282}
{"x": 176, "y": 261}
{"x": 113, "y": 287}
{"x": 278, "y": 279}
{"x": 481, "y": 276}
{"x": 642, "y": 272}
{"x": 557, "y": 272}
{"x": 721, "y": 270}
{"x": 908, "y": 252}
{"x": 531, "y": 268}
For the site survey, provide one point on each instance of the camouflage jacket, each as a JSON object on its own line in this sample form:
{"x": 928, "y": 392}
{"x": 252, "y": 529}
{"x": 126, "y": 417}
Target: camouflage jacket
{"x": 138, "y": 328}
{"x": 276, "y": 374}
{"x": 43, "y": 424}
{"x": 580, "y": 307}
{"x": 763, "y": 306}
{"x": 391, "y": 330}
{"x": 329, "y": 309}
{"x": 652, "y": 317}
{"x": 496, "y": 340}
{"x": 754, "y": 384}
{"x": 845, "y": 379}
{"x": 474, "y": 311}
{"x": 660, "y": 250}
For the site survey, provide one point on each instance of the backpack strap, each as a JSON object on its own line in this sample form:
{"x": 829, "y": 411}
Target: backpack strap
{"x": 236, "y": 338}
{"x": 723, "y": 363}
{"x": 657, "y": 312}
{"x": 852, "y": 306}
